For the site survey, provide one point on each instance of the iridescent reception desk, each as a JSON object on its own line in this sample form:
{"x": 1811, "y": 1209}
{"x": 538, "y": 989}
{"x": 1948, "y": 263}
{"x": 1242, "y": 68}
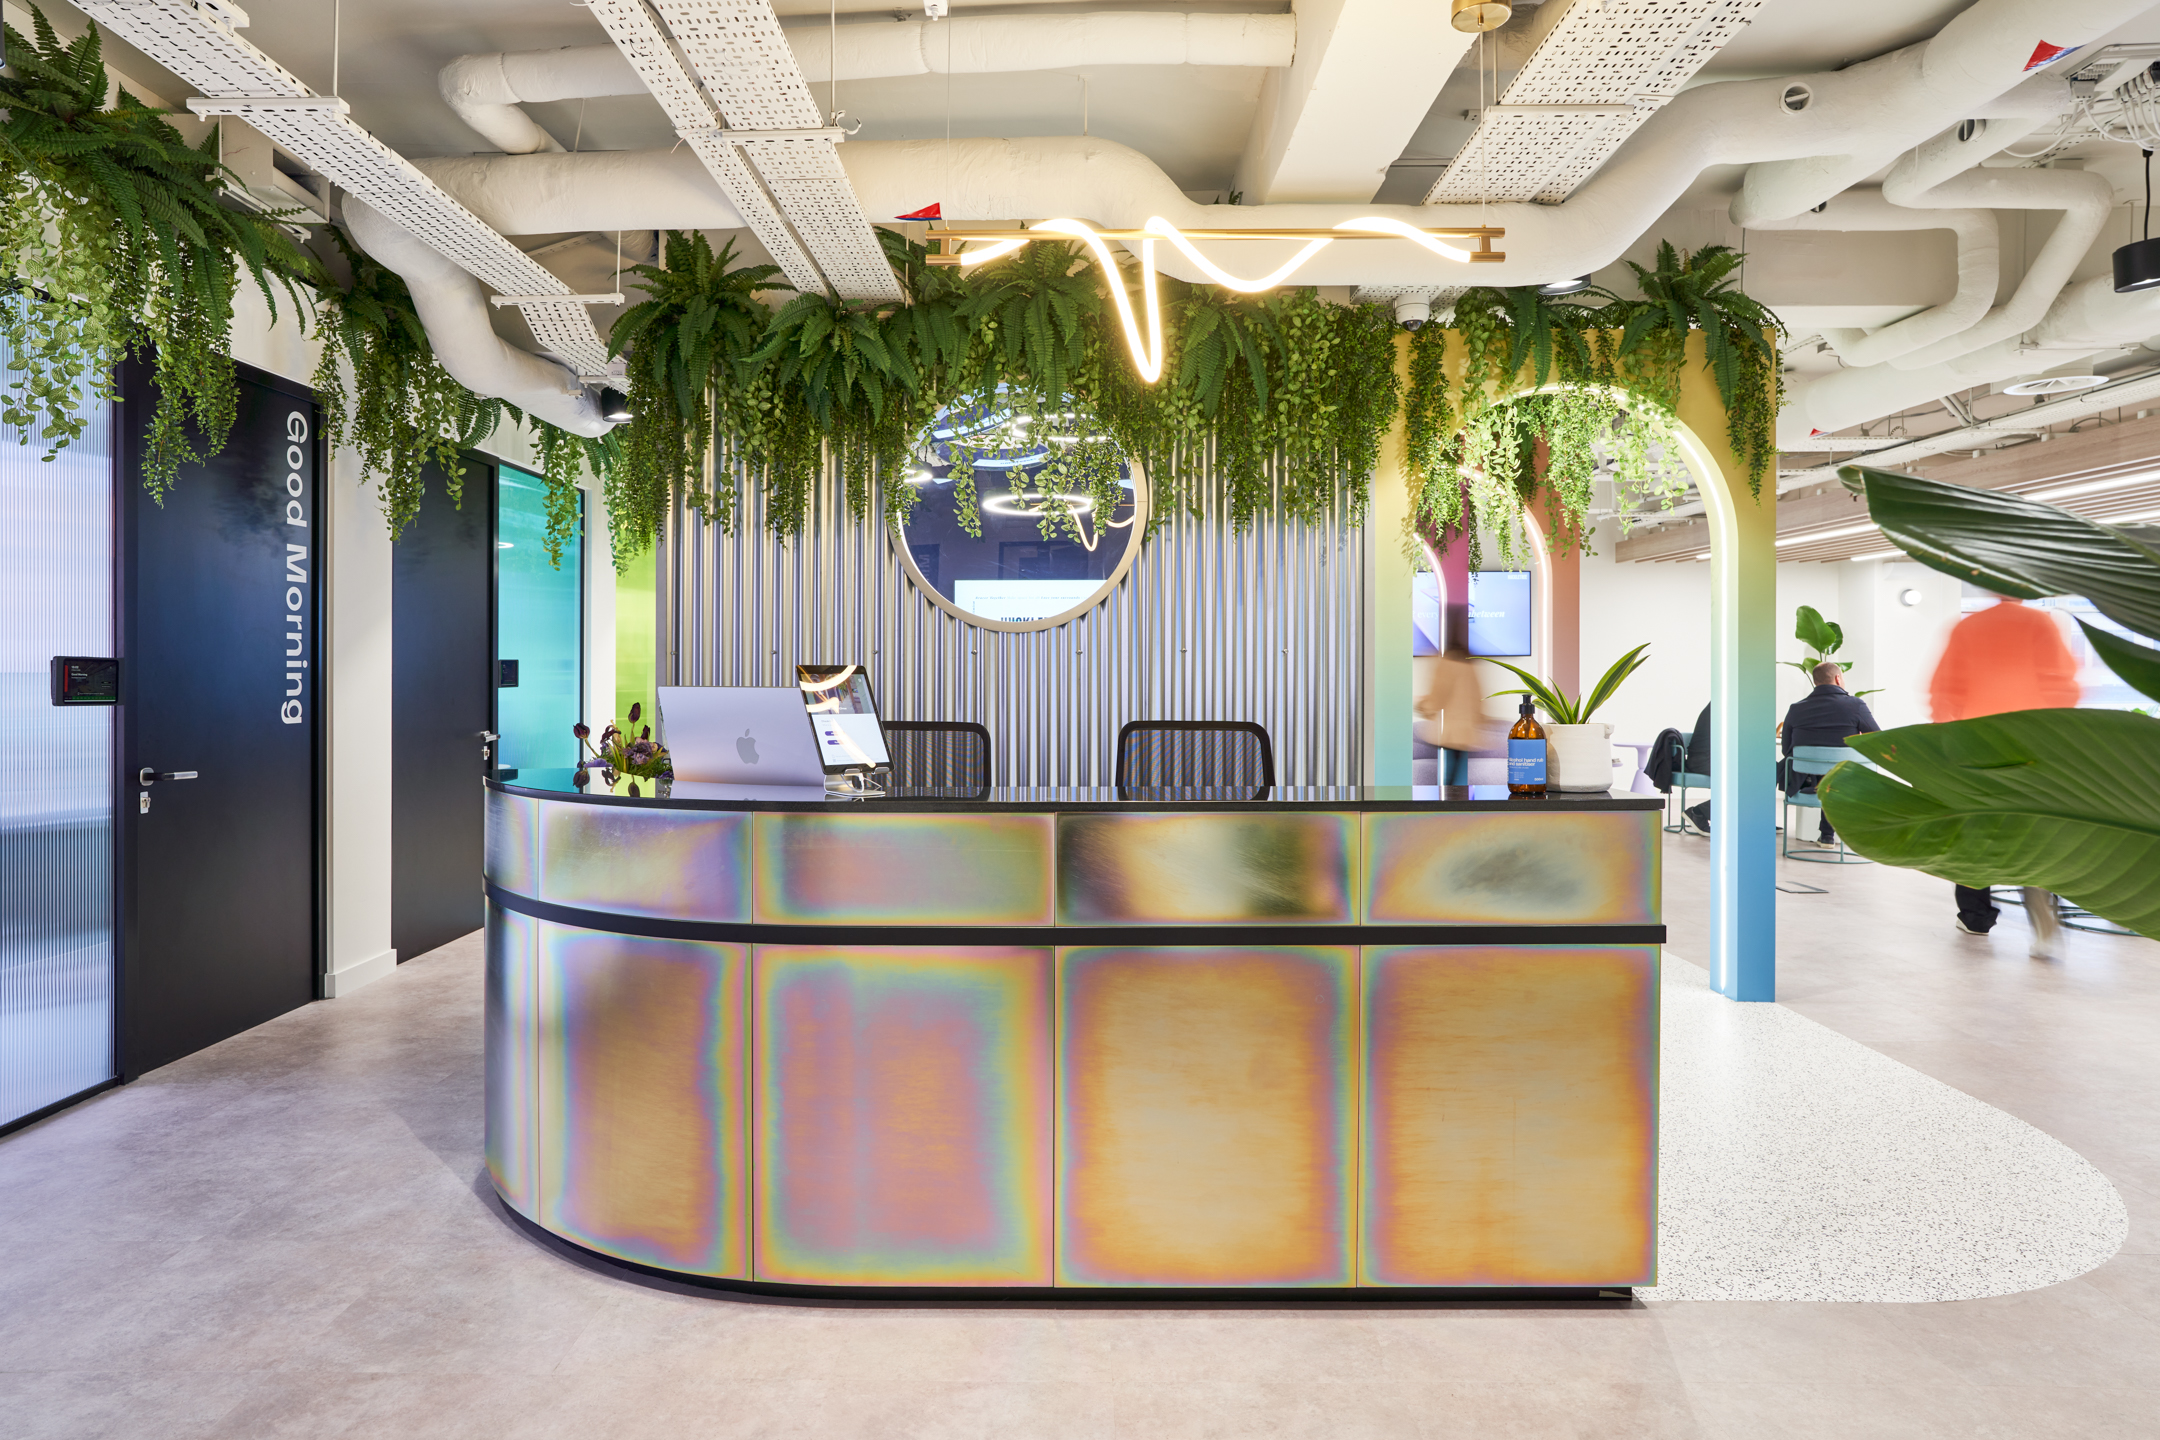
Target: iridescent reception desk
{"x": 1331, "y": 1041}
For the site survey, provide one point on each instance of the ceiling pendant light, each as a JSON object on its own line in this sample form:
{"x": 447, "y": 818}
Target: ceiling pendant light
{"x": 1476, "y": 15}
{"x": 2137, "y": 265}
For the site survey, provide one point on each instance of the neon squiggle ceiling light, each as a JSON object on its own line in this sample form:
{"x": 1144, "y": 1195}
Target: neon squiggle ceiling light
{"x": 1147, "y": 350}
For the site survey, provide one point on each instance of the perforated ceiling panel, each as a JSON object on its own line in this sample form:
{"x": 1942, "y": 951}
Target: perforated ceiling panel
{"x": 636, "y": 32}
{"x": 195, "y": 42}
{"x": 1589, "y": 84}
{"x": 739, "y": 51}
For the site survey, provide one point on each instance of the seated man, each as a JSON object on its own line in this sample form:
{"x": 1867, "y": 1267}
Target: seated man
{"x": 1825, "y": 717}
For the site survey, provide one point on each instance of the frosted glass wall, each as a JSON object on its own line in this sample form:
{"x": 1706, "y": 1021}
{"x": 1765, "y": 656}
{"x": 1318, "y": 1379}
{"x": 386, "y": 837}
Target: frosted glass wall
{"x": 539, "y": 623}
{"x": 56, "y": 835}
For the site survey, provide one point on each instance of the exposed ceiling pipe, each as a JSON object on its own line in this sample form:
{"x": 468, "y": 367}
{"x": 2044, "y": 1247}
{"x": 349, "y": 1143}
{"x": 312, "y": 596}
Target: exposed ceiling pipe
{"x": 1979, "y": 261}
{"x": 454, "y": 310}
{"x": 2086, "y": 319}
{"x": 485, "y": 90}
{"x": 1897, "y": 101}
{"x": 1731, "y": 122}
{"x": 2086, "y": 201}
{"x": 603, "y": 190}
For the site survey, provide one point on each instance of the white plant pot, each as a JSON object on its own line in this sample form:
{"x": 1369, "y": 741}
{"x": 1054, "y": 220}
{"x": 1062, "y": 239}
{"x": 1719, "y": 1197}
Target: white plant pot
{"x": 1579, "y": 757}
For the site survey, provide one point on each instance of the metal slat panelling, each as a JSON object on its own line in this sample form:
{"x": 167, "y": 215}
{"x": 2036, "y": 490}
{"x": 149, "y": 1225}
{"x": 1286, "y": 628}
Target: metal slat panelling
{"x": 1209, "y": 624}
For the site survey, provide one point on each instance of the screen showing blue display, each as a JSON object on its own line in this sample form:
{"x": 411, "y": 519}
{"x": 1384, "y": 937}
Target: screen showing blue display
{"x": 1500, "y": 612}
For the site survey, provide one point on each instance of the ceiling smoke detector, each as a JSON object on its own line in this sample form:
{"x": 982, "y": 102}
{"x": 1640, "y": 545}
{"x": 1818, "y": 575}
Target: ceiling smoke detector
{"x": 2053, "y": 384}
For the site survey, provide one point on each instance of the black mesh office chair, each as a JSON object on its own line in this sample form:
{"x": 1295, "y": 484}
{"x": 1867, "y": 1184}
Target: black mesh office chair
{"x": 1196, "y": 759}
{"x": 938, "y": 759}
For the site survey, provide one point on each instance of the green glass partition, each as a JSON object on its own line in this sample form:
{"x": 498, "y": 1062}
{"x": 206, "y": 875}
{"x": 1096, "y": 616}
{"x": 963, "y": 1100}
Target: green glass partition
{"x": 539, "y": 628}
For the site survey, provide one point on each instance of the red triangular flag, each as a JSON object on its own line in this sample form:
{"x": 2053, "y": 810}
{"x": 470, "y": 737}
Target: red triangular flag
{"x": 2044, "y": 52}
{"x": 928, "y": 212}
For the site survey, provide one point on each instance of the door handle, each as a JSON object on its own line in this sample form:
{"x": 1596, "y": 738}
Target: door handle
{"x": 149, "y": 776}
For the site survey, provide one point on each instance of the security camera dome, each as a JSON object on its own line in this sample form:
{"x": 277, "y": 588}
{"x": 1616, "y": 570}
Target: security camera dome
{"x": 1412, "y": 311}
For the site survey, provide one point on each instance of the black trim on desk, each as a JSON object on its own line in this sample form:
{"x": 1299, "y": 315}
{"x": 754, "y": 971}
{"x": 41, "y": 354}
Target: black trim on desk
{"x": 859, "y": 1295}
{"x": 1226, "y": 933}
{"x": 1585, "y": 803}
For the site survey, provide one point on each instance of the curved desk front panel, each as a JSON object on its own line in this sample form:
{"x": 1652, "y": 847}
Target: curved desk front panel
{"x": 1071, "y": 1042}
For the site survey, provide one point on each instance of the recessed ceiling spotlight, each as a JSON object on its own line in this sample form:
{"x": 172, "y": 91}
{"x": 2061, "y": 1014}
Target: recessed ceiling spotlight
{"x": 1566, "y": 287}
{"x": 2057, "y": 384}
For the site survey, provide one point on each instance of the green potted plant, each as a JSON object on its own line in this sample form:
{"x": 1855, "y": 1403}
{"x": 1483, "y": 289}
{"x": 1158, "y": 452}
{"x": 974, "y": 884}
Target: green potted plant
{"x": 1578, "y": 751}
{"x": 1823, "y": 638}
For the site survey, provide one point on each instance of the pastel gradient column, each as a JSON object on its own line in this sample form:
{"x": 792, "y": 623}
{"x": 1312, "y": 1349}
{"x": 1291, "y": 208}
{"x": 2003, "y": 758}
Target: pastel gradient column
{"x": 903, "y": 1115}
{"x": 1205, "y": 1115}
{"x": 1743, "y": 705}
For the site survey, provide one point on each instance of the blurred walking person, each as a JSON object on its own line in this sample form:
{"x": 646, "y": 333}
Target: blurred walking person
{"x": 1457, "y": 699}
{"x": 2005, "y": 658}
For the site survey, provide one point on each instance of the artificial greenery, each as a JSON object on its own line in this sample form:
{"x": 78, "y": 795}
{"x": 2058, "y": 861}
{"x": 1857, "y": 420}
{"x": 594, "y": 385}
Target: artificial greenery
{"x": 1558, "y": 706}
{"x": 2068, "y": 800}
{"x": 1604, "y": 373}
{"x": 406, "y": 409}
{"x": 114, "y": 243}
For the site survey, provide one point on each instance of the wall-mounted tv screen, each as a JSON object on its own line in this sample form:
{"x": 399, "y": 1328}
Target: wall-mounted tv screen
{"x": 1500, "y": 612}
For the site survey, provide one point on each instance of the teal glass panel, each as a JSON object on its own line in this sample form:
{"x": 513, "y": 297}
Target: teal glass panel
{"x": 539, "y": 628}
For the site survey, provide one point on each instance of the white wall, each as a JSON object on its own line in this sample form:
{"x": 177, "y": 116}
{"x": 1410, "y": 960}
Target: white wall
{"x": 1666, "y": 604}
{"x": 1892, "y": 646}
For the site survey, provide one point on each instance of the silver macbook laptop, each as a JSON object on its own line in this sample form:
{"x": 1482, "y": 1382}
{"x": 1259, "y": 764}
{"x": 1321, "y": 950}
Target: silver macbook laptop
{"x": 744, "y": 735}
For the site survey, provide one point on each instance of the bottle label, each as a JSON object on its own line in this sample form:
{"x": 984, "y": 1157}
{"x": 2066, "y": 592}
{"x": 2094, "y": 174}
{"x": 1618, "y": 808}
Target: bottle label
{"x": 1526, "y": 762}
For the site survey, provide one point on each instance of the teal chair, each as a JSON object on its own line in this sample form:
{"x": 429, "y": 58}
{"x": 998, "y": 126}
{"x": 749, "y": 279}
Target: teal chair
{"x": 1815, "y": 760}
{"x": 1684, "y": 780}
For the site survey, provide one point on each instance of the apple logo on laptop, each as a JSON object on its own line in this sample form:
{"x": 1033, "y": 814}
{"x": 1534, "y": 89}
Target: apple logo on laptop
{"x": 747, "y": 748}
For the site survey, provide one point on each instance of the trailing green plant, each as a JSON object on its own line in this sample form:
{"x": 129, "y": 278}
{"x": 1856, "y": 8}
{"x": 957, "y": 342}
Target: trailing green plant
{"x": 114, "y": 243}
{"x": 2068, "y": 800}
{"x": 1559, "y": 708}
{"x": 406, "y": 411}
{"x": 1604, "y": 372}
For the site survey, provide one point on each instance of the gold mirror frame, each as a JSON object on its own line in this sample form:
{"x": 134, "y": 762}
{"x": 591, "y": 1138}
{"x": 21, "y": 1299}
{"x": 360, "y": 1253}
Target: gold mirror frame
{"x": 896, "y": 536}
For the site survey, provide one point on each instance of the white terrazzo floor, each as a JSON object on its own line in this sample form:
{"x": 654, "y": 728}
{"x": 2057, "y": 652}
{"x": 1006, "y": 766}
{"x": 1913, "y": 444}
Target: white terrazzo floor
{"x": 1796, "y": 1164}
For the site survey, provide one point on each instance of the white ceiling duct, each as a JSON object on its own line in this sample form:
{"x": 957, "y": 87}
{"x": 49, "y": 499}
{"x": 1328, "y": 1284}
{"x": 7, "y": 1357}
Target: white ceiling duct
{"x": 1856, "y": 120}
{"x": 2086, "y": 319}
{"x": 1733, "y": 122}
{"x": 2086, "y": 201}
{"x": 454, "y": 310}
{"x": 606, "y": 190}
{"x": 485, "y": 90}
{"x": 1979, "y": 259}
{"x": 196, "y": 42}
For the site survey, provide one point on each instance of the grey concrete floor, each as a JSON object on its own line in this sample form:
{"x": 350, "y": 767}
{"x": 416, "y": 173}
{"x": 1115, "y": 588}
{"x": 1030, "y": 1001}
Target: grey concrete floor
{"x": 290, "y": 1235}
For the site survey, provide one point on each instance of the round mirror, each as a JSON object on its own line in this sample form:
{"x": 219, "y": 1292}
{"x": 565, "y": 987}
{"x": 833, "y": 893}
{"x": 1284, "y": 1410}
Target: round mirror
{"x": 1021, "y": 520}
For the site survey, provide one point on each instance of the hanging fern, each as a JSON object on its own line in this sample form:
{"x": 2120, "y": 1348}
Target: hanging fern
{"x": 114, "y": 242}
{"x": 406, "y": 409}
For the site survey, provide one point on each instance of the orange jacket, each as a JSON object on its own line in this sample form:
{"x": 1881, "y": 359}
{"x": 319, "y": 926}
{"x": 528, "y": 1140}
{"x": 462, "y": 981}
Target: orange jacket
{"x": 2005, "y": 657}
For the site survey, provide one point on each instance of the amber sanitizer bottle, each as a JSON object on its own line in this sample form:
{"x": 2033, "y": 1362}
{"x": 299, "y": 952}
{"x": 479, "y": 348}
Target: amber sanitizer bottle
{"x": 1526, "y": 755}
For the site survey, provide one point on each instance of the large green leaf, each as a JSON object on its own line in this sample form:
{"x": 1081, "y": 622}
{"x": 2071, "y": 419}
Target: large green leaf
{"x": 2137, "y": 664}
{"x": 2068, "y": 800}
{"x": 1819, "y": 635}
{"x": 2016, "y": 546}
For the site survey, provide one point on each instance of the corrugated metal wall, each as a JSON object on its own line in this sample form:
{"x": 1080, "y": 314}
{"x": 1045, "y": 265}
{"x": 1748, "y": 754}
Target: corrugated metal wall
{"x": 1207, "y": 625}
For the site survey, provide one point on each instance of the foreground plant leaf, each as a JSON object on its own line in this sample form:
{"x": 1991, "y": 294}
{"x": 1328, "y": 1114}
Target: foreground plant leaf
{"x": 2068, "y": 800}
{"x": 2138, "y": 665}
{"x": 2016, "y": 546}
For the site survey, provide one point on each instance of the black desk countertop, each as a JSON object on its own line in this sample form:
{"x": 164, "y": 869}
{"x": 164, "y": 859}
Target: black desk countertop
{"x": 689, "y": 795}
